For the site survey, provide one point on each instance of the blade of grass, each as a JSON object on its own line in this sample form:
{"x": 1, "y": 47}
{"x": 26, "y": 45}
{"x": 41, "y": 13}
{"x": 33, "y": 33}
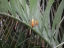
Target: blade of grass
{"x": 56, "y": 21}
{"x": 4, "y": 5}
{"x": 46, "y": 19}
{"x": 32, "y": 6}
{"x": 1, "y": 8}
{"x": 12, "y": 4}
{"x": 20, "y": 10}
{"x": 46, "y": 13}
{"x": 58, "y": 14}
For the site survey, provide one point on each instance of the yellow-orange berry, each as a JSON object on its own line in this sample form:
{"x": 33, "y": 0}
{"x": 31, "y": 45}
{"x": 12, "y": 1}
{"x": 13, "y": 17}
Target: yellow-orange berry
{"x": 36, "y": 22}
{"x": 33, "y": 23}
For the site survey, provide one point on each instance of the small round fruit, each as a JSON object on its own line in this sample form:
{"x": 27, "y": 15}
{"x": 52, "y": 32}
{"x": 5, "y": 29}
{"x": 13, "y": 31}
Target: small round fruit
{"x": 33, "y": 23}
{"x": 36, "y": 22}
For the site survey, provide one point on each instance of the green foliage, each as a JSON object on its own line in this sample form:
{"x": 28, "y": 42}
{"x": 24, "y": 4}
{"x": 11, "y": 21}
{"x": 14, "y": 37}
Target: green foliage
{"x": 25, "y": 13}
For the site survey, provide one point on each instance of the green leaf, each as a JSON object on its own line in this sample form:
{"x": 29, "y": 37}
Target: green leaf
{"x": 47, "y": 12}
{"x": 24, "y": 5}
{"x": 57, "y": 20}
{"x": 6, "y": 7}
{"x": 58, "y": 14}
{"x": 33, "y": 7}
{"x": 1, "y": 8}
{"x": 20, "y": 10}
{"x": 12, "y": 4}
{"x": 3, "y": 3}
{"x": 46, "y": 18}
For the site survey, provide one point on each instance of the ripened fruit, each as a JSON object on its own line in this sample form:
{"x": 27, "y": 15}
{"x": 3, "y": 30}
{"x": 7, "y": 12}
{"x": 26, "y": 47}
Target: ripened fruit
{"x": 33, "y": 23}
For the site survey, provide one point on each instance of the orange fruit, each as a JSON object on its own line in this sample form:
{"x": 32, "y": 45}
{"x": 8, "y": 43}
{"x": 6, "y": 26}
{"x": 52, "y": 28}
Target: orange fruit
{"x": 36, "y": 22}
{"x": 33, "y": 23}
